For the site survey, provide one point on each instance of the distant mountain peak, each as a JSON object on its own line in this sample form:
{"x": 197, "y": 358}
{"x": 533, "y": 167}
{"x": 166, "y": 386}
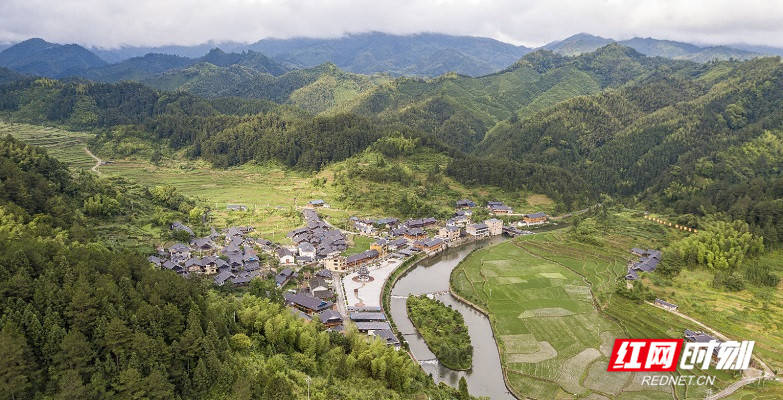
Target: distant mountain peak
{"x": 39, "y": 57}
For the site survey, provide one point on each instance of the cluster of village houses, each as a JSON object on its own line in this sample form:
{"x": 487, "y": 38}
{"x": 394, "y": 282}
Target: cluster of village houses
{"x": 648, "y": 261}
{"x": 231, "y": 256}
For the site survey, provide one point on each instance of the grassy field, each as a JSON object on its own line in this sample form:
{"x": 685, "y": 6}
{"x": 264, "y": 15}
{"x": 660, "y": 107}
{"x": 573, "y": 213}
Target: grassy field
{"x": 273, "y": 195}
{"x": 754, "y": 313}
{"x": 554, "y": 311}
{"x": 66, "y": 146}
{"x": 359, "y": 244}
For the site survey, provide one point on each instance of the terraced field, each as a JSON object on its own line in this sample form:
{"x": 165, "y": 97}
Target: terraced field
{"x": 272, "y": 194}
{"x": 66, "y": 146}
{"x": 552, "y": 305}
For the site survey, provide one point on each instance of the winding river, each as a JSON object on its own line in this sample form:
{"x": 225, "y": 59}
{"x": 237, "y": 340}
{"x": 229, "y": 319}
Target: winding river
{"x": 432, "y": 276}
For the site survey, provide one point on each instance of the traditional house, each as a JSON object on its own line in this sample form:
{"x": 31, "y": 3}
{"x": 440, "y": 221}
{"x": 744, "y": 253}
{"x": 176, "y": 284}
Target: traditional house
{"x": 307, "y": 303}
{"x": 330, "y": 318}
{"x": 415, "y": 234}
{"x": 701, "y": 337}
{"x": 284, "y": 276}
{"x": 179, "y": 250}
{"x": 202, "y": 244}
{"x": 363, "y": 226}
{"x": 494, "y": 226}
{"x": 380, "y": 246}
{"x": 465, "y": 203}
{"x": 157, "y": 261}
{"x": 210, "y": 264}
{"x": 498, "y": 208}
{"x": 459, "y": 220}
{"x": 316, "y": 203}
{"x": 449, "y": 233}
{"x": 179, "y": 226}
{"x": 361, "y": 258}
{"x": 386, "y": 223}
{"x": 387, "y": 335}
{"x": 244, "y": 277}
{"x": 477, "y": 230}
{"x": 648, "y": 261}
{"x": 371, "y": 326}
{"x": 285, "y": 256}
{"x": 194, "y": 265}
{"x": 222, "y": 277}
{"x": 362, "y": 316}
{"x": 420, "y": 223}
{"x": 335, "y": 263}
{"x": 666, "y": 305}
{"x": 430, "y": 246}
{"x": 325, "y": 274}
{"x": 535, "y": 218}
{"x": 306, "y": 250}
{"x": 397, "y": 244}
{"x": 317, "y": 283}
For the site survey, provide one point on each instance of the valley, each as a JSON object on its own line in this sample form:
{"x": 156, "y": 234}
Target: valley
{"x": 247, "y": 224}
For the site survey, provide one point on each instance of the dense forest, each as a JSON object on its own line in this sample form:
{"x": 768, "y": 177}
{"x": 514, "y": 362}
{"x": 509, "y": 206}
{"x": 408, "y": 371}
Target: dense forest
{"x": 610, "y": 122}
{"x": 81, "y": 320}
{"x": 444, "y": 330}
{"x": 692, "y": 147}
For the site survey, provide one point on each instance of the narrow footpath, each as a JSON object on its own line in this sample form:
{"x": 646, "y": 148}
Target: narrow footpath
{"x": 98, "y": 161}
{"x": 749, "y": 376}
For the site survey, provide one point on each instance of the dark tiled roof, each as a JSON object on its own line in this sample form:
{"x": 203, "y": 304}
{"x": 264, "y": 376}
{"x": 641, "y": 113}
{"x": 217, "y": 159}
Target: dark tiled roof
{"x": 222, "y": 277}
{"x": 309, "y": 302}
{"x": 387, "y": 335}
{"x": 367, "y": 316}
{"x": 324, "y": 273}
{"x": 372, "y": 326}
{"x": 536, "y": 215}
{"x": 365, "y": 255}
{"x": 327, "y": 316}
{"x": 179, "y": 248}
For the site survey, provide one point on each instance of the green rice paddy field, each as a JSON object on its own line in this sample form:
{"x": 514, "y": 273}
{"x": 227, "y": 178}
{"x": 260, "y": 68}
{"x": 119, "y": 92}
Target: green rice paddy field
{"x": 552, "y": 305}
{"x": 66, "y": 146}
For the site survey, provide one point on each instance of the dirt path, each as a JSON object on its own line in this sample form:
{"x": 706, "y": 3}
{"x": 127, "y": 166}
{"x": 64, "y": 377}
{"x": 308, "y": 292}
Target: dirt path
{"x": 749, "y": 375}
{"x": 98, "y": 161}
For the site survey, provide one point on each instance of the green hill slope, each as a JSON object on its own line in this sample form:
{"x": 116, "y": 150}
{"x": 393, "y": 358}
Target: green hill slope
{"x": 460, "y": 109}
{"x": 324, "y": 88}
{"x": 668, "y": 139}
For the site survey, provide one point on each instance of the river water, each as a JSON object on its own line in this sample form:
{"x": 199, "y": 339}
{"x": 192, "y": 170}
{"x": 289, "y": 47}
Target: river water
{"x": 432, "y": 276}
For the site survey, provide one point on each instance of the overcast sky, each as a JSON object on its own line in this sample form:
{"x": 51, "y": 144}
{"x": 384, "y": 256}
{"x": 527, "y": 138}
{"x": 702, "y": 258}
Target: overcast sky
{"x": 110, "y": 23}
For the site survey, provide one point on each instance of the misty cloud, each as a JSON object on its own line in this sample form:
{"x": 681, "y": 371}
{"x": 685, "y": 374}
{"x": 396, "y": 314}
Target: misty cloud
{"x": 110, "y": 23}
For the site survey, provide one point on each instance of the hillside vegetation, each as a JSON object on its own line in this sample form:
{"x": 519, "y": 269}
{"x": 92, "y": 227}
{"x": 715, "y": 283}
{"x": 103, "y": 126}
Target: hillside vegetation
{"x": 83, "y": 317}
{"x": 692, "y": 146}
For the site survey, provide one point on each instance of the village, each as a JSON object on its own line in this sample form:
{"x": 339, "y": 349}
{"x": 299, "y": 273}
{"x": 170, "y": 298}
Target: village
{"x": 319, "y": 281}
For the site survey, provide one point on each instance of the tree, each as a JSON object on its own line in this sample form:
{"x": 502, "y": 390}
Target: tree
{"x": 15, "y": 367}
{"x": 463, "y": 389}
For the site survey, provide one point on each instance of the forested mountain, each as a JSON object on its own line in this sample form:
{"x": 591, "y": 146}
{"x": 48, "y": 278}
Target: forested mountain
{"x": 608, "y": 122}
{"x": 122, "y": 53}
{"x": 7, "y": 75}
{"x": 151, "y": 65}
{"x": 427, "y": 54}
{"x": 460, "y": 110}
{"x": 315, "y": 90}
{"x": 672, "y": 140}
{"x": 252, "y": 59}
{"x": 38, "y": 57}
{"x": 137, "y": 68}
{"x": 79, "y": 320}
{"x": 577, "y": 44}
{"x": 585, "y": 43}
